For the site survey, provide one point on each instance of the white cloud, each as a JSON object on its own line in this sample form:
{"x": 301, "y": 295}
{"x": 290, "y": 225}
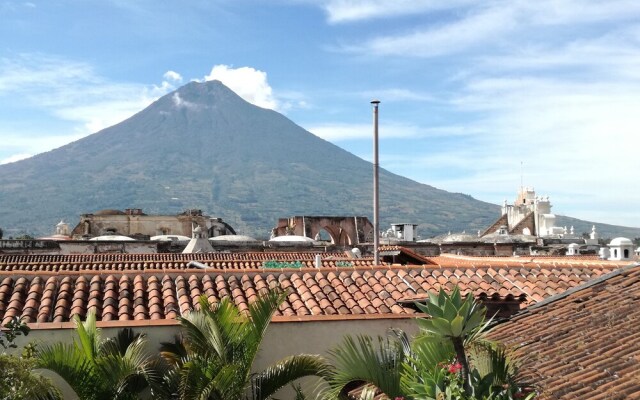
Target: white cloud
{"x": 337, "y": 132}
{"x": 15, "y": 157}
{"x": 339, "y": 11}
{"x": 485, "y": 25}
{"x": 172, "y": 76}
{"x": 553, "y": 84}
{"x": 249, "y": 83}
{"x": 397, "y": 94}
{"x": 29, "y": 72}
{"x": 179, "y": 102}
{"x": 454, "y": 37}
{"x": 72, "y": 90}
{"x": 576, "y": 140}
{"x": 17, "y": 146}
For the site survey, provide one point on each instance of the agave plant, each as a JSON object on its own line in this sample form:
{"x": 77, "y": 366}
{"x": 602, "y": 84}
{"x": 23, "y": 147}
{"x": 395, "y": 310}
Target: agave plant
{"x": 214, "y": 356}
{"x": 114, "y": 368}
{"x": 454, "y": 320}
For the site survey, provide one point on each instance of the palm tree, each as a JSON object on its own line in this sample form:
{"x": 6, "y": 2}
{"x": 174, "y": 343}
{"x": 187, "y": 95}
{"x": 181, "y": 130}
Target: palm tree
{"x": 96, "y": 369}
{"x": 371, "y": 366}
{"x": 213, "y": 357}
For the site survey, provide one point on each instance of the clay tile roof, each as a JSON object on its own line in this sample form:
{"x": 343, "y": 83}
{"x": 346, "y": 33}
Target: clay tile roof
{"x": 129, "y": 287}
{"x": 583, "y": 343}
{"x": 166, "y": 261}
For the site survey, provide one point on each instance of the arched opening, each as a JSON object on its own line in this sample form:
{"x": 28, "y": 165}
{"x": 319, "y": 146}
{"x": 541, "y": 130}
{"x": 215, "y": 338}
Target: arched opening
{"x": 626, "y": 253}
{"x": 615, "y": 253}
{"x": 336, "y": 235}
{"x": 324, "y": 236}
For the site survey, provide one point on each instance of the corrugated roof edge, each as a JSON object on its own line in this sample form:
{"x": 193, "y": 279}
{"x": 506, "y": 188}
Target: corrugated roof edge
{"x": 567, "y": 293}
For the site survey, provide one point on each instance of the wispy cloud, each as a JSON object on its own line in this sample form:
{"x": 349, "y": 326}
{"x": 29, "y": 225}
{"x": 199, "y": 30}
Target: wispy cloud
{"x": 15, "y": 157}
{"x": 15, "y": 6}
{"x": 396, "y": 94}
{"x": 552, "y": 84}
{"x": 71, "y": 91}
{"x": 486, "y": 25}
{"x": 20, "y": 145}
{"x": 447, "y": 38}
{"x": 340, "y": 11}
{"x": 337, "y": 132}
{"x": 573, "y": 138}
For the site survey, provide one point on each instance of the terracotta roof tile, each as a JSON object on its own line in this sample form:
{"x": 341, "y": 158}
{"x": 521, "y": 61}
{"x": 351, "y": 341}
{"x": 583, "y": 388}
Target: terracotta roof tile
{"x": 163, "y": 261}
{"x": 143, "y": 287}
{"x": 584, "y": 344}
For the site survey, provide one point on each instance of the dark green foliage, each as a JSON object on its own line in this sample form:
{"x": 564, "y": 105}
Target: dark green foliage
{"x": 18, "y": 381}
{"x": 282, "y": 264}
{"x": 11, "y": 331}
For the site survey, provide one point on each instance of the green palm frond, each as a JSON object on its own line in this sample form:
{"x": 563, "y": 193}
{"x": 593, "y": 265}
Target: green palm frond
{"x": 130, "y": 372}
{"x": 95, "y": 369}
{"x": 201, "y": 336}
{"x": 215, "y": 330}
{"x": 70, "y": 364}
{"x": 431, "y": 352}
{"x": 173, "y": 353}
{"x": 360, "y": 360}
{"x": 89, "y": 335}
{"x": 119, "y": 344}
{"x": 275, "y": 377}
{"x": 262, "y": 311}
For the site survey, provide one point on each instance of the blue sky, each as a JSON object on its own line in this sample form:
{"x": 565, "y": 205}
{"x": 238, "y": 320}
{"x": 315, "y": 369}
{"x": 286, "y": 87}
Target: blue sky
{"x": 472, "y": 93}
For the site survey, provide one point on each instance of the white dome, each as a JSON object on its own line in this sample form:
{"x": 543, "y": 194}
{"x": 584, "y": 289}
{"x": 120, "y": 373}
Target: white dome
{"x": 232, "y": 238}
{"x": 292, "y": 238}
{"x": 112, "y": 238}
{"x": 621, "y": 241}
{"x": 169, "y": 238}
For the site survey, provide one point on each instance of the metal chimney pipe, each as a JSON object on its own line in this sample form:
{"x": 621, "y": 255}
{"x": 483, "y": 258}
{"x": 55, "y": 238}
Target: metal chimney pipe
{"x": 376, "y": 167}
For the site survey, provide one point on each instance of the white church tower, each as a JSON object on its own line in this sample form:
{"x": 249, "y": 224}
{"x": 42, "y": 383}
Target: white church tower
{"x": 528, "y": 203}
